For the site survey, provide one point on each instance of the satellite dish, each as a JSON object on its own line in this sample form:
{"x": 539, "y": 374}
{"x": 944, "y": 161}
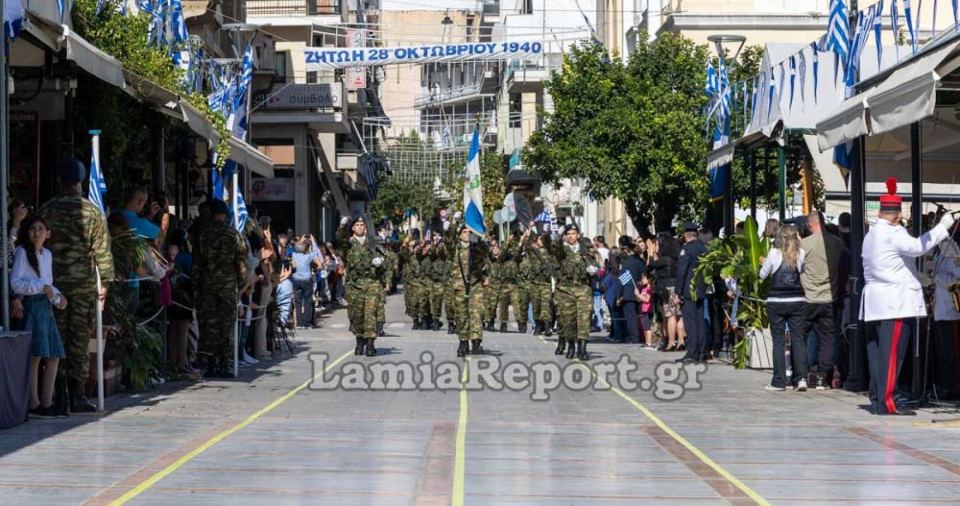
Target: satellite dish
{"x": 498, "y": 217}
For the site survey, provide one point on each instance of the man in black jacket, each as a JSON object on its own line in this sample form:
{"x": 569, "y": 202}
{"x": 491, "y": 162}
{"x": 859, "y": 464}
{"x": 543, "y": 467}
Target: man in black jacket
{"x": 635, "y": 266}
{"x": 693, "y": 291}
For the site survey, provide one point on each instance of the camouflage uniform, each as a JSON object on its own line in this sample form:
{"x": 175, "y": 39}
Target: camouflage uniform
{"x": 492, "y": 295}
{"x": 220, "y": 270}
{"x": 390, "y": 264}
{"x": 540, "y": 269}
{"x": 364, "y": 286}
{"x": 411, "y": 283}
{"x": 439, "y": 273}
{"x": 574, "y": 295}
{"x": 471, "y": 268}
{"x": 80, "y": 246}
{"x": 510, "y": 286}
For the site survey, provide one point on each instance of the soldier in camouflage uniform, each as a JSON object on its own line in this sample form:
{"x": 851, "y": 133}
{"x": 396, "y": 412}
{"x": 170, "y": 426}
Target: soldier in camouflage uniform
{"x": 366, "y": 270}
{"x": 577, "y": 265}
{"x": 80, "y": 246}
{"x": 491, "y": 297}
{"x": 391, "y": 262}
{"x": 468, "y": 276}
{"x": 411, "y": 282}
{"x": 539, "y": 270}
{"x": 511, "y": 288}
{"x": 439, "y": 275}
{"x": 220, "y": 270}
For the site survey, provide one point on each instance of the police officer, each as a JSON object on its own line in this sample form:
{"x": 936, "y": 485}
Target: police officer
{"x": 365, "y": 262}
{"x": 695, "y": 297}
{"x": 220, "y": 270}
{"x": 892, "y": 295}
{"x": 469, "y": 273}
{"x": 80, "y": 246}
{"x": 577, "y": 264}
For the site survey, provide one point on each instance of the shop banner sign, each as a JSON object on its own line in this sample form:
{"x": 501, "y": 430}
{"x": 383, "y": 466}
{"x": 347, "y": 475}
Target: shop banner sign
{"x": 324, "y": 58}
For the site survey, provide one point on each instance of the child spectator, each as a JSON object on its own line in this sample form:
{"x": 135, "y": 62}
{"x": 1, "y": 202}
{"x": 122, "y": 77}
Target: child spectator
{"x": 644, "y": 294}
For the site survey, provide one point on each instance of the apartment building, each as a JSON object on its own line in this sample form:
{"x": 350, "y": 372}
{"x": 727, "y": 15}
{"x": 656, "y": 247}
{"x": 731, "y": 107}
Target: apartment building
{"x": 309, "y": 121}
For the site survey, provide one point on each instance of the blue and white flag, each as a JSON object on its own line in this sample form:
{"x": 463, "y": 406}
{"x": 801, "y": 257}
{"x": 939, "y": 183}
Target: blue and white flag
{"x": 178, "y": 24}
{"x": 861, "y": 36}
{"x": 62, "y": 7}
{"x": 877, "y": 28}
{"x": 239, "y": 127}
{"x": 838, "y": 30}
{"x": 625, "y": 277}
{"x": 217, "y": 182}
{"x": 783, "y": 83}
{"x": 908, "y": 17}
{"x": 956, "y": 15}
{"x": 793, "y": 77}
{"x": 803, "y": 77}
{"x": 241, "y": 212}
{"x": 753, "y": 98}
{"x": 473, "y": 190}
{"x": 98, "y": 187}
{"x": 816, "y": 69}
{"x": 712, "y": 88}
{"x": 12, "y": 19}
{"x": 895, "y": 26}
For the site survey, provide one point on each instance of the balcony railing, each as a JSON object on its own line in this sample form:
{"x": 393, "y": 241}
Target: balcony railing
{"x": 267, "y": 8}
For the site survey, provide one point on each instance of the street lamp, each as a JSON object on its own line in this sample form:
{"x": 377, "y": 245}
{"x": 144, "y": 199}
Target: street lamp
{"x": 719, "y": 41}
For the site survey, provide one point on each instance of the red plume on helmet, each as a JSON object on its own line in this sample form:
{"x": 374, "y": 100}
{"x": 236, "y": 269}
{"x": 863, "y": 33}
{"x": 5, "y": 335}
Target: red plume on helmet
{"x": 891, "y": 202}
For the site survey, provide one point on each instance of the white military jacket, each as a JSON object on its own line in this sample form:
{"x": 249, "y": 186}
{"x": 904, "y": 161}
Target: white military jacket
{"x": 891, "y": 287}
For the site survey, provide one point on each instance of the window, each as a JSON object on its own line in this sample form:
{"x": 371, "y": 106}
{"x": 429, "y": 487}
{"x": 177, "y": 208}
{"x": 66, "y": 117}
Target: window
{"x": 312, "y": 77}
{"x": 516, "y": 110}
{"x": 527, "y": 7}
{"x": 280, "y": 65}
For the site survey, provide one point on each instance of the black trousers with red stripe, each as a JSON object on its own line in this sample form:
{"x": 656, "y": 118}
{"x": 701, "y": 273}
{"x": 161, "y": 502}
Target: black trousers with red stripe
{"x": 887, "y": 342}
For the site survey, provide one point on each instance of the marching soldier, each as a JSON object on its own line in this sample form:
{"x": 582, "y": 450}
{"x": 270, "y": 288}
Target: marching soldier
{"x": 577, "y": 264}
{"x": 539, "y": 270}
{"x": 390, "y": 264}
{"x": 892, "y": 295}
{"x": 510, "y": 287}
{"x": 81, "y": 246}
{"x": 493, "y": 293}
{"x": 439, "y": 274}
{"x": 411, "y": 279}
{"x": 220, "y": 270}
{"x": 468, "y": 275}
{"x": 365, "y": 261}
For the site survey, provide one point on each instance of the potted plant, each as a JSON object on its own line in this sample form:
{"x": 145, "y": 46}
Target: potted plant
{"x": 739, "y": 257}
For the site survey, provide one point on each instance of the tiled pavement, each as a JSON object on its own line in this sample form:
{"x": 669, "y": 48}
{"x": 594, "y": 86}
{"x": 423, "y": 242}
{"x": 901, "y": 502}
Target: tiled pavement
{"x": 728, "y": 442}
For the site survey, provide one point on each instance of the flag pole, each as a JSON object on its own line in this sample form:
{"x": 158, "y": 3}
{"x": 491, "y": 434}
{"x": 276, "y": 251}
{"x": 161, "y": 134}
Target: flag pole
{"x": 96, "y": 157}
{"x": 4, "y": 165}
{"x": 236, "y": 226}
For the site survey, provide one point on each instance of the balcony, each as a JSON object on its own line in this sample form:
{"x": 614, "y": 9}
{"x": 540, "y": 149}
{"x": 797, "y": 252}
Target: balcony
{"x": 449, "y": 95}
{"x": 268, "y": 8}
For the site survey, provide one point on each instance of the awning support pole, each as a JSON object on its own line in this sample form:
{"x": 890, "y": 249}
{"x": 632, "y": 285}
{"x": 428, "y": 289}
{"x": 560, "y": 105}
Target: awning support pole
{"x": 782, "y": 182}
{"x": 916, "y": 213}
{"x": 857, "y": 377}
{"x": 4, "y": 162}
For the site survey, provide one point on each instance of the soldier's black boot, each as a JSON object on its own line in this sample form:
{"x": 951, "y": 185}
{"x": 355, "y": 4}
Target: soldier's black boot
{"x": 380, "y": 332}
{"x": 561, "y": 345}
{"x": 522, "y": 328}
{"x": 451, "y": 327}
{"x": 360, "y": 345}
{"x": 582, "y": 350}
{"x": 490, "y": 325}
{"x": 416, "y": 324}
{"x": 426, "y": 323}
{"x": 571, "y": 349}
{"x": 78, "y": 401}
{"x": 477, "y": 348}
{"x": 463, "y": 349}
{"x": 537, "y": 328}
{"x": 503, "y": 328}
{"x": 548, "y": 329}
{"x": 371, "y": 349}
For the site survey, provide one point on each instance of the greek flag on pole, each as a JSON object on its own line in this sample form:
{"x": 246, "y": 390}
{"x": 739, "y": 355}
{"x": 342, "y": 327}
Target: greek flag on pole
{"x": 242, "y": 214}
{"x": 625, "y": 277}
{"x": 12, "y": 19}
{"x": 877, "y": 27}
{"x": 178, "y": 22}
{"x": 473, "y": 190}
{"x": 895, "y": 26}
{"x": 97, "y": 185}
{"x": 908, "y": 15}
{"x": 838, "y": 30}
{"x": 240, "y": 97}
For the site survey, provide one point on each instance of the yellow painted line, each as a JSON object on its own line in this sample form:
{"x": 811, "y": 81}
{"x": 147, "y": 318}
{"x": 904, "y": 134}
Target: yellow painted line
{"x": 683, "y": 441}
{"x": 149, "y": 482}
{"x": 459, "y": 465}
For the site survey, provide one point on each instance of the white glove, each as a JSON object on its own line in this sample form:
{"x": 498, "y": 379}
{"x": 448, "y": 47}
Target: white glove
{"x": 592, "y": 269}
{"x": 947, "y": 220}
{"x": 457, "y": 215}
{"x": 377, "y": 262}
{"x": 446, "y": 226}
{"x": 344, "y": 221}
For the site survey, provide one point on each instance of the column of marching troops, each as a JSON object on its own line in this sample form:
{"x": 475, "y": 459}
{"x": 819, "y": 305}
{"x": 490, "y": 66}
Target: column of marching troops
{"x": 469, "y": 281}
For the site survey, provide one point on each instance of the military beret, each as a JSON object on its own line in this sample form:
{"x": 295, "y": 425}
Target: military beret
{"x": 218, "y": 206}
{"x": 572, "y": 226}
{"x": 72, "y": 171}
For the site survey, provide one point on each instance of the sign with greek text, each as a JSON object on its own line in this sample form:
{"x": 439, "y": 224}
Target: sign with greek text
{"x": 321, "y": 58}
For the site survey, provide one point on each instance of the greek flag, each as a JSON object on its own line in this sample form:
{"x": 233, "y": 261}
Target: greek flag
{"x": 908, "y": 15}
{"x": 864, "y": 24}
{"x": 217, "y": 179}
{"x": 793, "y": 77}
{"x": 242, "y": 214}
{"x": 239, "y": 127}
{"x": 772, "y": 91}
{"x": 12, "y": 19}
{"x": 178, "y": 23}
{"x": 816, "y": 69}
{"x": 803, "y": 77}
{"x": 625, "y": 277}
{"x": 473, "y": 190}
{"x": 62, "y": 8}
{"x": 877, "y": 27}
{"x": 895, "y": 26}
{"x": 712, "y": 86}
{"x": 956, "y": 19}
{"x": 98, "y": 186}
{"x": 838, "y": 30}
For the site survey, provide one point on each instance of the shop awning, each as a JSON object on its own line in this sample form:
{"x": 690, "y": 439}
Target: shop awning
{"x": 240, "y": 151}
{"x": 907, "y": 95}
{"x": 720, "y": 156}
{"x": 87, "y": 56}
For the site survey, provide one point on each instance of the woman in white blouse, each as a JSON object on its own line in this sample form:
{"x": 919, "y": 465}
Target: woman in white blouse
{"x": 32, "y": 279}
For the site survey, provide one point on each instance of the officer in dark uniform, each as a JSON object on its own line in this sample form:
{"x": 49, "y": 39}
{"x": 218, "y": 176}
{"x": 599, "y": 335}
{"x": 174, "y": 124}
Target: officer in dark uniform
{"x": 694, "y": 293}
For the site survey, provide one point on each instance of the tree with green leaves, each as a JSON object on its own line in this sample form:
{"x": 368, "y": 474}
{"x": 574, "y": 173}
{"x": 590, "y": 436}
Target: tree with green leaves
{"x": 634, "y": 131}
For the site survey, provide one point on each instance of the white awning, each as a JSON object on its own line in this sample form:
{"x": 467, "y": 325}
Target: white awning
{"x": 240, "y": 151}
{"x": 87, "y": 56}
{"x": 720, "y": 156}
{"x": 906, "y": 96}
